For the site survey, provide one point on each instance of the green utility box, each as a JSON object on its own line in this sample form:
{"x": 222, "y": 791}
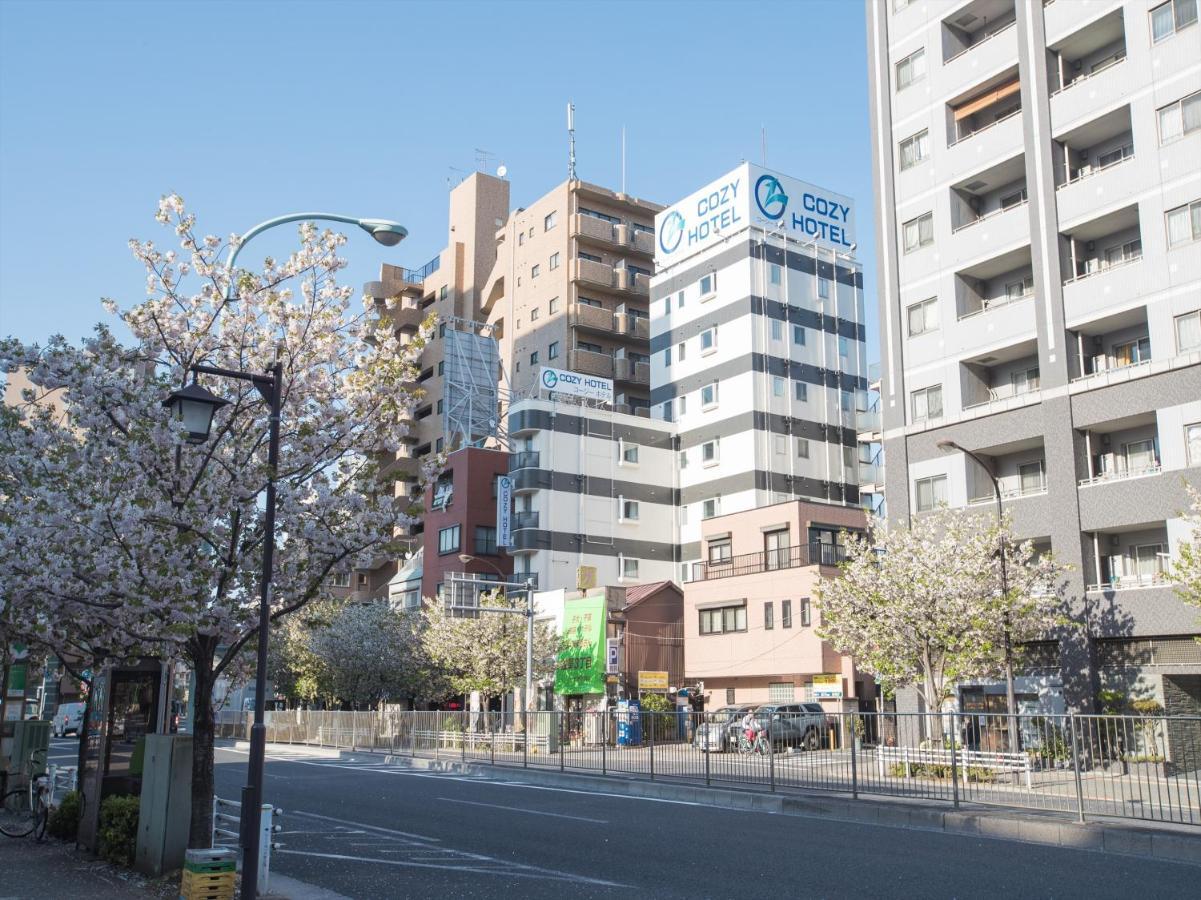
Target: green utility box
{"x": 166, "y": 804}
{"x": 29, "y": 737}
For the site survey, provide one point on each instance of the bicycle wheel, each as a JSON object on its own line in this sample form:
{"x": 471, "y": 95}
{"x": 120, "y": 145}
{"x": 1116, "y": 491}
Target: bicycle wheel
{"x": 16, "y": 819}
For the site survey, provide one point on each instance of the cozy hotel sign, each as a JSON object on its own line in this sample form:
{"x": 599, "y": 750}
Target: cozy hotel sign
{"x": 751, "y": 195}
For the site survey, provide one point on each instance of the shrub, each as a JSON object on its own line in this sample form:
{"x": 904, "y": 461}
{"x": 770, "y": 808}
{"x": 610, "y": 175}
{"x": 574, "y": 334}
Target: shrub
{"x": 119, "y": 829}
{"x": 64, "y": 818}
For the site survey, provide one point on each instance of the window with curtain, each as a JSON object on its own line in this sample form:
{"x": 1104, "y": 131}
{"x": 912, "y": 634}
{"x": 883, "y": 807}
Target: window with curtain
{"x": 930, "y": 493}
{"x": 1180, "y": 118}
{"x": 1184, "y": 223}
{"x": 1188, "y": 331}
{"x": 915, "y": 149}
{"x": 1139, "y": 456}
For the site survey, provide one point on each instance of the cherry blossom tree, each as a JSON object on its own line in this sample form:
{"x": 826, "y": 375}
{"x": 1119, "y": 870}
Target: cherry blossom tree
{"x": 1186, "y": 570}
{"x": 923, "y": 606}
{"x": 118, "y": 528}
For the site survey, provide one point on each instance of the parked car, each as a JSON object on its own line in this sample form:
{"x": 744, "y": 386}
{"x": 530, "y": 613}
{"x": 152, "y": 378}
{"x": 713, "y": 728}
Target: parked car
{"x": 794, "y": 725}
{"x": 68, "y": 719}
{"x": 719, "y": 731}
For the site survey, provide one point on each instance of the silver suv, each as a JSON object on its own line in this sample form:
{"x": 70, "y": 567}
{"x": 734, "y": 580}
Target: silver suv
{"x": 794, "y": 725}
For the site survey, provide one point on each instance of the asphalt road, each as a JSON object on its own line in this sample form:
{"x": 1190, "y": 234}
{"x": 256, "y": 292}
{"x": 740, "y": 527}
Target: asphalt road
{"x": 367, "y": 830}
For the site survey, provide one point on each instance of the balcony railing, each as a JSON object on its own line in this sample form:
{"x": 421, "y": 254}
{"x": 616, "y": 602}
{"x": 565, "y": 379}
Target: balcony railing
{"x": 813, "y": 554}
{"x": 594, "y": 317}
{"x": 525, "y": 520}
{"x": 1009, "y": 494}
{"x": 589, "y": 362}
{"x": 989, "y": 215}
{"x": 1118, "y": 57}
{"x": 993, "y": 124}
{"x": 1089, "y": 173}
{"x": 527, "y": 459}
{"x": 416, "y": 276}
{"x": 1105, "y": 267}
{"x": 1122, "y": 475}
{"x": 1132, "y": 582}
{"x": 984, "y": 40}
{"x": 994, "y": 303}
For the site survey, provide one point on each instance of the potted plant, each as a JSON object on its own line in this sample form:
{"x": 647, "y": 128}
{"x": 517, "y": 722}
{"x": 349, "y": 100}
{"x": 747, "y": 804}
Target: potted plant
{"x": 1146, "y": 759}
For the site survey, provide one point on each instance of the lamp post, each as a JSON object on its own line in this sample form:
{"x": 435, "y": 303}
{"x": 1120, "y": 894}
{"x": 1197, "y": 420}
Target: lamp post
{"x": 528, "y": 612}
{"x": 196, "y": 407}
{"x": 948, "y": 446}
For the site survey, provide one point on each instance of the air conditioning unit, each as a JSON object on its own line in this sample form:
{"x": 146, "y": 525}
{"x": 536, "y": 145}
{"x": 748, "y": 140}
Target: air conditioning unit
{"x": 1114, "y": 540}
{"x": 1090, "y": 246}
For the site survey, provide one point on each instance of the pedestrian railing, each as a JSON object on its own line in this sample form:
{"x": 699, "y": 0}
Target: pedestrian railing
{"x": 1140, "y": 767}
{"x": 63, "y": 780}
{"x": 227, "y": 832}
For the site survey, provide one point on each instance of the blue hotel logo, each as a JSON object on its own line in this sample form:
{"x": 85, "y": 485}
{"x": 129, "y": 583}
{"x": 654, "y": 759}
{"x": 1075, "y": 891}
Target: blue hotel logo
{"x": 770, "y": 197}
{"x": 549, "y": 379}
{"x": 671, "y": 233}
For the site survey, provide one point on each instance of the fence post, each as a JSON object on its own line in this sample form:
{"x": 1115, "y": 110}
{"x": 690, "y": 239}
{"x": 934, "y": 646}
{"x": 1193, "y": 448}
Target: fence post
{"x": 1076, "y": 770}
{"x": 604, "y": 740}
{"x": 491, "y": 739}
{"x": 855, "y": 721}
{"x": 463, "y": 720}
{"x": 955, "y": 760}
{"x": 437, "y": 735}
{"x": 652, "y": 736}
{"x": 525, "y": 739}
{"x": 771, "y": 752}
{"x": 708, "y": 745}
{"x": 559, "y": 724}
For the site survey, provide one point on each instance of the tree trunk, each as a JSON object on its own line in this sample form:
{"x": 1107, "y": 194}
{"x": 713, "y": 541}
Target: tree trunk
{"x": 200, "y": 834}
{"x": 82, "y": 736}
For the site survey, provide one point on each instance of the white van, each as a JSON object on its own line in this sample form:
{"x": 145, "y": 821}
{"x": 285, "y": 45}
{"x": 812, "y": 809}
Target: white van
{"x": 68, "y": 719}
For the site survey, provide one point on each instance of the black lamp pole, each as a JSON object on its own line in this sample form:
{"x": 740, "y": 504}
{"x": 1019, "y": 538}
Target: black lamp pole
{"x": 271, "y": 388}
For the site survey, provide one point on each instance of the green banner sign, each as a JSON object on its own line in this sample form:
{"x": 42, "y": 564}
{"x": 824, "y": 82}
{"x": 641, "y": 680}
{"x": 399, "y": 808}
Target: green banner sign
{"x": 580, "y": 665}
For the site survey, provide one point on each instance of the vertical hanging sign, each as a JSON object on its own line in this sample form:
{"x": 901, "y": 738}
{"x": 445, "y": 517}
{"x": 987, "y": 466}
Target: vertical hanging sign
{"x": 504, "y": 511}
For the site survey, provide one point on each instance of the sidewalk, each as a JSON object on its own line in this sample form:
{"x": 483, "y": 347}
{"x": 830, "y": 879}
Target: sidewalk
{"x": 53, "y": 869}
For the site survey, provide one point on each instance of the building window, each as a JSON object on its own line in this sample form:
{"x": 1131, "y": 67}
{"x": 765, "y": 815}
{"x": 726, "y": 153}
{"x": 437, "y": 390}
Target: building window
{"x": 710, "y": 452}
{"x": 711, "y": 507}
{"x": 554, "y": 262}
{"x": 1016, "y": 290}
{"x": 823, "y": 288}
{"x": 915, "y": 149}
{"x": 448, "y": 540}
{"x": 667, "y": 411}
{"x": 552, "y": 352}
{"x": 443, "y": 291}
{"x": 1180, "y": 118}
{"x": 720, "y": 551}
{"x": 768, "y": 616}
{"x": 846, "y": 401}
{"x": 1184, "y": 223}
{"x": 801, "y": 391}
{"x": 922, "y": 317}
{"x": 709, "y": 395}
{"x": 779, "y": 444}
{"x": 777, "y": 386}
{"x": 441, "y": 366}
{"x": 590, "y": 257}
{"x": 549, "y": 222}
{"x": 590, "y": 347}
{"x": 774, "y": 273}
{"x": 588, "y": 301}
{"x": 361, "y": 579}
{"x": 439, "y": 444}
{"x": 629, "y": 510}
{"x": 534, "y": 313}
{"x": 911, "y": 69}
{"x": 629, "y": 453}
{"x": 682, "y": 401}
{"x": 1032, "y": 478}
{"x": 680, "y": 300}
{"x": 535, "y": 270}
{"x": 680, "y": 349}
{"x": 439, "y": 407}
{"x": 553, "y": 306}
{"x": 723, "y": 619}
{"x": 927, "y": 403}
{"x": 1188, "y": 332}
{"x": 667, "y": 358}
{"x": 844, "y": 346}
{"x": 709, "y": 340}
{"x": 1170, "y": 17}
{"x": 521, "y": 239}
{"x": 919, "y": 232}
{"x": 806, "y": 614}
{"x": 441, "y": 330}
{"x": 340, "y": 579}
{"x": 708, "y": 284}
{"x": 802, "y": 448}
{"x": 1123, "y": 253}
{"x": 930, "y": 492}
{"x": 485, "y": 540}
{"x": 1192, "y": 440}
{"x": 785, "y": 613}
{"x": 729, "y": 695}
{"x": 798, "y": 335}
{"x": 534, "y": 358}
{"x": 777, "y": 330}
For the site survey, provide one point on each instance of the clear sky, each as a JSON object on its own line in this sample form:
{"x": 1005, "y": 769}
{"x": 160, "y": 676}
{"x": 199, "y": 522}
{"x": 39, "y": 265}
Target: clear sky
{"x": 253, "y": 109}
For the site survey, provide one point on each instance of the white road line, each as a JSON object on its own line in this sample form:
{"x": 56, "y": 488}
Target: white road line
{"x": 532, "y": 812}
{"x": 406, "y": 834}
{"x": 510, "y": 869}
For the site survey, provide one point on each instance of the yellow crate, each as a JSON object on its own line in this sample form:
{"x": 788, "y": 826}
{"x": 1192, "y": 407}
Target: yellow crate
{"x": 207, "y": 885}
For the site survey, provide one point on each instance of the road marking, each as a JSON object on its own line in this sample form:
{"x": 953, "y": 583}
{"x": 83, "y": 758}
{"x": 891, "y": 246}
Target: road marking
{"x": 406, "y": 834}
{"x": 508, "y": 870}
{"x": 532, "y": 812}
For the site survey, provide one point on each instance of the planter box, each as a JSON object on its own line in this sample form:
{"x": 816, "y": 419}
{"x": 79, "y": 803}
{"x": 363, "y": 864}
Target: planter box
{"x": 1150, "y": 771}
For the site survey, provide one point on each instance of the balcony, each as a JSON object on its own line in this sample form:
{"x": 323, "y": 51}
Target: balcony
{"x": 1020, "y": 469}
{"x": 591, "y": 228}
{"x": 407, "y": 315}
{"x": 588, "y": 362}
{"x": 813, "y": 554}
{"x": 593, "y": 318}
{"x": 1087, "y": 161}
{"x": 636, "y": 327}
{"x": 975, "y": 24}
{"x": 985, "y": 106}
{"x": 984, "y": 195}
{"x": 527, "y": 459}
{"x": 1100, "y": 263}
{"x": 867, "y": 421}
{"x": 1110, "y": 343}
{"x": 631, "y": 281}
{"x": 643, "y": 241}
{"x": 526, "y": 519}
{"x": 1129, "y": 559}
{"x": 1001, "y": 379}
{"x": 632, "y": 371}
{"x": 1004, "y": 279}
{"x": 592, "y": 272}
{"x": 1121, "y": 450}
{"x": 1085, "y": 70}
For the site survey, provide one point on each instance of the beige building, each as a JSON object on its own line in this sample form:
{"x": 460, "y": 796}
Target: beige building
{"x": 750, "y": 611}
{"x": 570, "y": 289}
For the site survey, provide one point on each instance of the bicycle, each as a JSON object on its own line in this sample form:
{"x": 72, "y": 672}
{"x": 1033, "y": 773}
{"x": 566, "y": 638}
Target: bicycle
{"x": 26, "y": 810}
{"x": 759, "y": 745}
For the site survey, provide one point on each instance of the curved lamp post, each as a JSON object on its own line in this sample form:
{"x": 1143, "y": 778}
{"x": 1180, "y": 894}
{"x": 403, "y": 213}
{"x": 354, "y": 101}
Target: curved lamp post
{"x": 196, "y": 407}
{"x": 387, "y": 232}
{"x": 948, "y": 446}
{"x": 528, "y": 612}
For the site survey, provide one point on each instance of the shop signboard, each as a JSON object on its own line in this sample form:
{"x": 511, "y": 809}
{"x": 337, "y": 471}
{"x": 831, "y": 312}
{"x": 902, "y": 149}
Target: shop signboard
{"x": 652, "y": 681}
{"x": 827, "y": 687}
{"x": 580, "y": 664}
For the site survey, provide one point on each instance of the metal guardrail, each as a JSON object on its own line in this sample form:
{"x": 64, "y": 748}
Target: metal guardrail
{"x": 227, "y": 825}
{"x": 63, "y": 780}
{"x": 1136, "y": 767}
{"x": 813, "y": 554}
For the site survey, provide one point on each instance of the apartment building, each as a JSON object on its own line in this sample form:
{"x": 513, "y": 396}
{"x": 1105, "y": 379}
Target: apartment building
{"x": 750, "y": 616}
{"x": 757, "y": 345}
{"x": 595, "y": 493}
{"x": 569, "y": 289}
{"x": 1038, "y": 185}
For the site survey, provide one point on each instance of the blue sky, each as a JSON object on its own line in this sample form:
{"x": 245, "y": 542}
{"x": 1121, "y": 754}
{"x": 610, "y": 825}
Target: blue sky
{"x": 250, "y": 110}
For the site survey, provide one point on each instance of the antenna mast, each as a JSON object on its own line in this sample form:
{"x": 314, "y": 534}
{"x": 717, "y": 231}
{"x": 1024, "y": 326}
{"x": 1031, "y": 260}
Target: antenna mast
{"x": 623, "y": 159}
{"x": 570, "y": 141}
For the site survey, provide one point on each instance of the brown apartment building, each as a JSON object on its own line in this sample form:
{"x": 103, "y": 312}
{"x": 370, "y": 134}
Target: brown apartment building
{"x": 750, "y": 608}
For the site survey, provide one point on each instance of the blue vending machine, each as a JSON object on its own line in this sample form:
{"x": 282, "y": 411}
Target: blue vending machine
{"x": 629, "y": 723}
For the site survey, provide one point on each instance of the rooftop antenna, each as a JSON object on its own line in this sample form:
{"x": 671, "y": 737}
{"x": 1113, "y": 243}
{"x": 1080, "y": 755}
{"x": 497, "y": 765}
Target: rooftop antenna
{"x": 571, "y": 141}
{"x": 623, "y": 159}
{"x": 451, "y": 181}
{"x": 481, "y": 159}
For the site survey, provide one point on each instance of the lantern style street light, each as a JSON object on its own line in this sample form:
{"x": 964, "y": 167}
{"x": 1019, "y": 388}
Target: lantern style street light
{"x": 195, "y": 407}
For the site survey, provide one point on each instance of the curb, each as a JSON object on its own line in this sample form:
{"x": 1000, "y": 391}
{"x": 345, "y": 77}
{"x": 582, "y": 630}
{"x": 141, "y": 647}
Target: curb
{"x": 1179, "y": 844}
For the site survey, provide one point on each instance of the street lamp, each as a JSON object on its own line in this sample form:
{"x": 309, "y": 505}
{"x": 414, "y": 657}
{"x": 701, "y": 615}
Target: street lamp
{"x": 386, "y": 232}
{"x": 528, "y": 612}
{"x": 948, "y": 446}
{"x": 195, "y": 408}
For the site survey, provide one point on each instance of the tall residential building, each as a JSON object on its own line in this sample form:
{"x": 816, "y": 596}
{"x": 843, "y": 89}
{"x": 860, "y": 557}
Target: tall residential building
{"x": 757, "y": 345}
{"x": 1038, "y": 185}
{"x": 569, "y": 289}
